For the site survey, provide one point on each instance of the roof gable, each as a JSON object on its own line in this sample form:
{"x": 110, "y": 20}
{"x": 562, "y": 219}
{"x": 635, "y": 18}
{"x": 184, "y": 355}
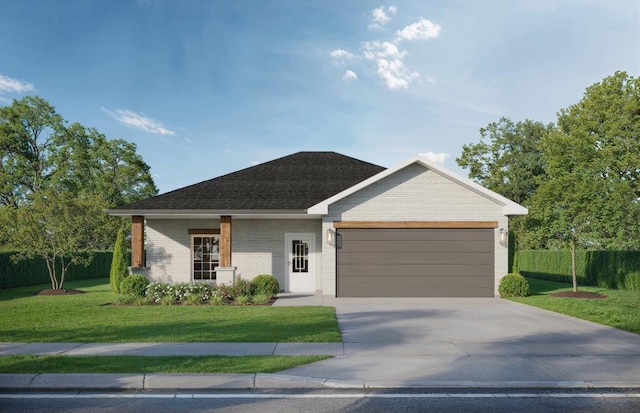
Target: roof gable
{"x": 291, "y": 183}
{"x": 508, "y": 207}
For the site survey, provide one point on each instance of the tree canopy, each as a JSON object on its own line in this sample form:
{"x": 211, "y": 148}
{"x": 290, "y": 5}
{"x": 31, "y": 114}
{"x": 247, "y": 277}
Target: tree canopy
{"x": 580, "y": 177}
{"x": 38, "y": 150}
{"x": 56, "y": 180}
{"x": 507, "y": 159}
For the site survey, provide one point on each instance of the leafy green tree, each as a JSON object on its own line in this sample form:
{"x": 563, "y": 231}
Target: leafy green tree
{"x": 601, "y": 134}
{"x": 508, "y": 159}
{"x": 30, "y": 131}
{"x": 89, "y": 162}
{"x": 119, "y": 265}
{"x": 593, "y": 164}
{"x": 561, "y": 216}
{"x": 60, "y": 227}
{"x": 38, "y": 151}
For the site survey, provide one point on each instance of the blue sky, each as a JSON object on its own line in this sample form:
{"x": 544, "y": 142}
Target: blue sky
{"x": 209, "y": 87}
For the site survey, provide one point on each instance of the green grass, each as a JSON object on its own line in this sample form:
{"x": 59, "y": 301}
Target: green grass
{"x": 145, "y": 364}
{"x": 621, "y": 309}
{"x": 91, "y": 317}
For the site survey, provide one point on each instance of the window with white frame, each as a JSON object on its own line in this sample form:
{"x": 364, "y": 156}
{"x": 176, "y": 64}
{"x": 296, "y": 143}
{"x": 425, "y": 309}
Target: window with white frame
{"x": 205, "y": 251}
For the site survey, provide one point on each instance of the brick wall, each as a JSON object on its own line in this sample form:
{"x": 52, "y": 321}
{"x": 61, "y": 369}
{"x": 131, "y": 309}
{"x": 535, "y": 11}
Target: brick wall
{"x": 258, "y": 247}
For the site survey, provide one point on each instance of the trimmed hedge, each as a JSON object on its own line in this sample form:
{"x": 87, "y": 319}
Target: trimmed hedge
{"x": 34, "y": 271}
{"x": 606, "y": 269}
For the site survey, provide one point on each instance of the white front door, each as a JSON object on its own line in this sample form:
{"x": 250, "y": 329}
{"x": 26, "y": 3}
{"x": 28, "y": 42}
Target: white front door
{"x": 300, "y": 255}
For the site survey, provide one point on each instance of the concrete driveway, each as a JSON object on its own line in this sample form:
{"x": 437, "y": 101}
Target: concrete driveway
{"x": 416, "y": 340}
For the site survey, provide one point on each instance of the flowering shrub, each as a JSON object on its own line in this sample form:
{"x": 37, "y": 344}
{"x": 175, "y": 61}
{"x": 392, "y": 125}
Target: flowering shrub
{"x": 155, "y": 291}
{"x": 194, "y": 293}
{"x": 239, "y": 288}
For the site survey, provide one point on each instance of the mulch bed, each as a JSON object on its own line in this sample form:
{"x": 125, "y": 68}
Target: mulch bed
{"x": 577, "y": 294}
{"x": 60, "y": 291}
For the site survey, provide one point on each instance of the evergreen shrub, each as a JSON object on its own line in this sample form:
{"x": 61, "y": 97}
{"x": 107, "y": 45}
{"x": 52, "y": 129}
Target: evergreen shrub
{"x": 265, "y": 284}
{"x": 513, "y": 285}
{"x": 135, "y": 285}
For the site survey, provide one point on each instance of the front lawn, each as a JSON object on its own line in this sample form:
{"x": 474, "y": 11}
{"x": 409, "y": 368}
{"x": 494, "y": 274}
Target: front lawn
{"x": 621, "y": 309}
{"x": 91, "y": 317}
{"x": 147, "y": 364}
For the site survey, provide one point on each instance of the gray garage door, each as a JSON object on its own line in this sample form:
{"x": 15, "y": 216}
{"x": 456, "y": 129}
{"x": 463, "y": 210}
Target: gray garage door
{"x": 415, "y": 263}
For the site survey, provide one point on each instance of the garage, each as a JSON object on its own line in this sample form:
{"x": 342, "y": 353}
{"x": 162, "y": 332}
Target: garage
{"x": 415, "y": 262}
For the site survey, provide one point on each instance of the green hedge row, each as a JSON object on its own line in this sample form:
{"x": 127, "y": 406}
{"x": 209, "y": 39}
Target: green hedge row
{"x": 607, "y": 269}
{"x": 34, "y": 271}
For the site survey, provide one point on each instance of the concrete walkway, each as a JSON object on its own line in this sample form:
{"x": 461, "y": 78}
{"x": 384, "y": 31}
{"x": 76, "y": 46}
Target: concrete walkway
{"x": 173, "y": 349}
{"x": 391, "y": 343}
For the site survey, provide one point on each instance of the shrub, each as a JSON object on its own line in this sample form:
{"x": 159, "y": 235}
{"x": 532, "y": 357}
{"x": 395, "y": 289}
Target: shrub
{"x": 135, "y": 285}
{"x": 238, "y": 288}
{"x": 196, "y": 292}
{"x": 119, "y": 269}
{"x": 155, "y": 291}
{"x": 217, "y": 298}
{"x": 265, "y": 284}
{"x": 513, "y": 285}
{"x": 243, "y": 299}
{"x": 261, "y": 299}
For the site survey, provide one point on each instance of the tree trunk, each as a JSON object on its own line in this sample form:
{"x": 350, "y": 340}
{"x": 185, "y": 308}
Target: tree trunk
{"x": 573, "y": 265}
{"x": 51, "y": 266}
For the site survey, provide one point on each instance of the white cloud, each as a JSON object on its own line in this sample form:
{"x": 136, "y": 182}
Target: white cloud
{"x": 341, "y": 54}
{"x": 380, "y": 18}
{"x": 388, "y": 57}
{"x": 139, "y": 121}
{"x": 435, "y": 157}
{"x": 390, "y": 63}
{"x": 421, "y": 30}
{"x": 350, "y": 75}
{"x": 395, "y": 74}
{"x": 11, "y": 85}
{"x": 376, "y": 49}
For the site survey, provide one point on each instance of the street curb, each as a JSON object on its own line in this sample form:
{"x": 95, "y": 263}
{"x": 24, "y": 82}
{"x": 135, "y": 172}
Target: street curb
{"x": 164, "y": 382}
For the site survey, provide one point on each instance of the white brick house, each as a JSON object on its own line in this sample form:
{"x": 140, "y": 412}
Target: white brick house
{"x": 324, "y": 222}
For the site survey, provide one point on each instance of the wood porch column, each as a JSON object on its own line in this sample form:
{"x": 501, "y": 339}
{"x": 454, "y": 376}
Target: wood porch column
{"x": 225, "y": 241}
{"x": 137, "y": 241}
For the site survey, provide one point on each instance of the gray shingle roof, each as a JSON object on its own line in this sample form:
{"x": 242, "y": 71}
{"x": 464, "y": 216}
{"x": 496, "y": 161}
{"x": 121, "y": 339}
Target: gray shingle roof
{"x": 294, "y": 182}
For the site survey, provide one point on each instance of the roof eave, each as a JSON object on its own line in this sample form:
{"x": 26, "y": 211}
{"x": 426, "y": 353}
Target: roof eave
{"x": 210, "y": 213}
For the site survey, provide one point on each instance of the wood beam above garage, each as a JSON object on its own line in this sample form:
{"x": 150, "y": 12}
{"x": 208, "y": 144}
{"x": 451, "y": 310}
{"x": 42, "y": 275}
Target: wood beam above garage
{"x": 416, "y": 224}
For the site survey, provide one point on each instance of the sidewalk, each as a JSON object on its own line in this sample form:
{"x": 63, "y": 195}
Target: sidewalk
{"x": 167, "y": 382}
{"x": 173, "y": 349}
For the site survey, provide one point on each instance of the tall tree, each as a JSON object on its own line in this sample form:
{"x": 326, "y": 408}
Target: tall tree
{"x": 60, "y": 227}
{"x": 30, "y": 131}
{"x": 39, "y": 152}
{"x": 593, "y": 164}
{"x": 601, "y": 134}
{"x": 89, "y": 162}
{"x": 507, "y": 159}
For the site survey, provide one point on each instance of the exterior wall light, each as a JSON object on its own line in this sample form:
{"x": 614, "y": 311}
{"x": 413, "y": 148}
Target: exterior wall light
{"x": 503, "y": 237}
{"x": 331, "y": 237}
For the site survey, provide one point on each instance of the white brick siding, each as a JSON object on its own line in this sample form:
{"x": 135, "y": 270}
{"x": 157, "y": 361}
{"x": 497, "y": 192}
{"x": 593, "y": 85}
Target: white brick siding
{"x": 413, "y": 194}
{"x": 168, "y": 247}
{"x": 258, "y": 247}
